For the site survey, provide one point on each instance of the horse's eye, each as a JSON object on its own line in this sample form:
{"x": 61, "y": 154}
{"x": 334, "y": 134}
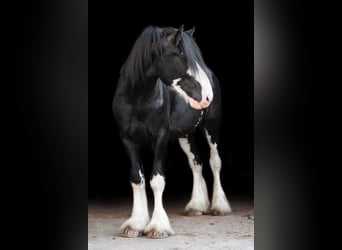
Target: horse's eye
{"x": 182, "y": 53}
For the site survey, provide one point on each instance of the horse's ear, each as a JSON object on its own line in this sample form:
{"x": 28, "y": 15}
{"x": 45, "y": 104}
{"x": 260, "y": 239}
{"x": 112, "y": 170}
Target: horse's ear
{"x": 178, "y": 35}
{"x": 191, "y": 32}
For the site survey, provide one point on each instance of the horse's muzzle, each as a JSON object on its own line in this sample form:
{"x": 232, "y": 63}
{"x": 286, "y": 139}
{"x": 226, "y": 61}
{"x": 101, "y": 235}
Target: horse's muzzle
{"x": 200, "y": 105}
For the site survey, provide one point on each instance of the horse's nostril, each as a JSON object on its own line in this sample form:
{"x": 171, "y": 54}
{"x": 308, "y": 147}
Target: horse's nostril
{"x": 208, "y": 99}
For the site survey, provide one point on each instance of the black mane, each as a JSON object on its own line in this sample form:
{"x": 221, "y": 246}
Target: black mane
{"x": 191, "y": 51}
{"x": 149, "y": 46}
{"x": 146, "y": 48}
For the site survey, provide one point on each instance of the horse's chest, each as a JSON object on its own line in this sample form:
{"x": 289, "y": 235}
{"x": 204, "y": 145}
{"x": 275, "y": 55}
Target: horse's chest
{"x": 138, "y": 131}
{"x": 145, "y": 123}
{"x": 185, "y": 121}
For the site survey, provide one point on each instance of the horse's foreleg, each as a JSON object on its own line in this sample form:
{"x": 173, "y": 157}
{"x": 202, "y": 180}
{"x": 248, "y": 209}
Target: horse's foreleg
{"x": 135, "y": 225}
{"x": 159, "y": 226}
{"x": 199, "y": 202}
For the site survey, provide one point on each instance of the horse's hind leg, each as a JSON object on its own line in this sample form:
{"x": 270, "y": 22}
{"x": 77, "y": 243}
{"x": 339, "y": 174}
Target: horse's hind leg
{"x": 199, "y": 202}
{"x": 135, "y": 225}
{"x": 219, "y": 204}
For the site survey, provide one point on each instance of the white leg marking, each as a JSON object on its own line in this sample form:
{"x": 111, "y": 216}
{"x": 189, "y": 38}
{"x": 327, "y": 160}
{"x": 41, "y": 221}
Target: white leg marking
{"x": 160, "y": 221}
{"x": 140, "y": 216}
{"x": 199, "y": 202}
{"x": 219, "y": 203}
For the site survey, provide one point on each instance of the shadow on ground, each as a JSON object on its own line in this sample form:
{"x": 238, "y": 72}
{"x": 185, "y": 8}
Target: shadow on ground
{"x": 234, "y": 231}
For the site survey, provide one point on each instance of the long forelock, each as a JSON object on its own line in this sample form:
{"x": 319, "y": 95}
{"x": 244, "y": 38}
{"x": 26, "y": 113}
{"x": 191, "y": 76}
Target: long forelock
{"x": 192, "y": 53}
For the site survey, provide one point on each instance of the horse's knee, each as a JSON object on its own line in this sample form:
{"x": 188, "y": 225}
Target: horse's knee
{"x": 157, "y": 183}
{"x": 137, "y": 177}
{"x": 215, "y": 161}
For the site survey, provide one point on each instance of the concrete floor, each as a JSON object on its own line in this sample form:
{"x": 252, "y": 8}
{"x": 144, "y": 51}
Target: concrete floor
{"x": 234, "y": 231}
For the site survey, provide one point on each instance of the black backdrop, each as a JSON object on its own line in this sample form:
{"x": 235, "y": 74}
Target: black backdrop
{"x": 46, "y": 175}
{"x": 226, "y": 42}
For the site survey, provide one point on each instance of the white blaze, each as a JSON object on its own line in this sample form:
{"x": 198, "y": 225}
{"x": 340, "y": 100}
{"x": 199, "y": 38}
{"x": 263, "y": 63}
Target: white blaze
{"x": 206, "y": 89}
{"x": 204, "y": 81}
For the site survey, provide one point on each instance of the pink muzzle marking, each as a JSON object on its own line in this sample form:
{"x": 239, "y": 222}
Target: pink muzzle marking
{"x": 200, "y": 105}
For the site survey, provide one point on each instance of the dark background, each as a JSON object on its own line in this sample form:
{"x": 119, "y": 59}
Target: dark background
{"x": 226, "y": 42}
{"x": 297, "y": 129}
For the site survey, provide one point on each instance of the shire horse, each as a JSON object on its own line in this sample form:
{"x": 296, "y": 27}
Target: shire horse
{"x": 165, "y": 91}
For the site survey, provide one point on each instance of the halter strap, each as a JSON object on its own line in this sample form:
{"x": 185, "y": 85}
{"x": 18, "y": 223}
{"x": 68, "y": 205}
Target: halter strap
{"x": 203, "y": 113}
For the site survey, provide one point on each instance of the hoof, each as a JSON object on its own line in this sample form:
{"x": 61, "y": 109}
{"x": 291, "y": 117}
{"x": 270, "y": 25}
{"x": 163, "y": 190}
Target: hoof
{"x": 216, "y": 212}
{"x": 192, "y": 212}
{"x": 128, "y": 232}
{"x": 154, "y": 234}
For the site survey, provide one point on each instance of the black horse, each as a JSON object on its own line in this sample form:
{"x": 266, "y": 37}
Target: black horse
{"x": 166, "y": 91}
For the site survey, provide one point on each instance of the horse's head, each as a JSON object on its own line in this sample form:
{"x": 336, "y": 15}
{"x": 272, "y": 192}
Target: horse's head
{"x": 173, "y": 68}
